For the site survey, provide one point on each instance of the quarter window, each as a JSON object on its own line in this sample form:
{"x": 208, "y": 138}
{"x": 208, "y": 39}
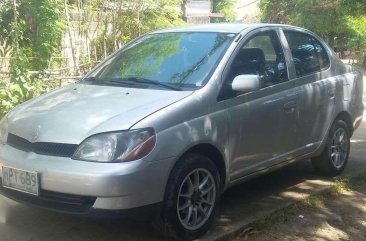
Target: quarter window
{"x": 308, "y": 54}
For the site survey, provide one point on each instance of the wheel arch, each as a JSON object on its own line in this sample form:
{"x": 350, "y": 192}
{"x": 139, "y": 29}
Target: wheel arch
{"x": 346, "y": 117}
{"x": 210, "y": 151}
{"x": 213, "y": 154}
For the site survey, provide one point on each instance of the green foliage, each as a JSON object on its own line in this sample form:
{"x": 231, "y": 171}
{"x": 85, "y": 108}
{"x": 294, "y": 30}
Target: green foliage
{"x": 40, "y": 27}
{"x": 130, "y": 21}
{"x": 357, "y": 36}
{"x": 34, "y": 32}
{"x": 10, "y": 95}
{"x": 357, "y": 27}
{"x": 276, "y": 11}
{"x": 162, "y": 49}
{"x": 321, "y": 16}
{"x": 45, "y": 30}
{"x": 13, "y": 94}
{"x": 225, "y": 7}
{"x": 340, "y": 22}
{"x": 353, "y": 7}
{"x": 355, "y": 19}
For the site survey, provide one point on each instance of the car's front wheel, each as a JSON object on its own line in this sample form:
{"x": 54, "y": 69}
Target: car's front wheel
{"x": 191, "y": 197}
{"x": 334, "y": 157}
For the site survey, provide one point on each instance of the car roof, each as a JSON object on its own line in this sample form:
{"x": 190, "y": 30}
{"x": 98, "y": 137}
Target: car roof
{"x": 219, "y": 27}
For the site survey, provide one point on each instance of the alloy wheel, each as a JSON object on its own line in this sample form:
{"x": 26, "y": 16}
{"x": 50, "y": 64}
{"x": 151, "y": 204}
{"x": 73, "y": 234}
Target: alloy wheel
{"x": 339, "y": 148}
{"x": 196, "y": 199}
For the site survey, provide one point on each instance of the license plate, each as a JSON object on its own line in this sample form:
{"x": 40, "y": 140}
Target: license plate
{"x": 20, "y": 180}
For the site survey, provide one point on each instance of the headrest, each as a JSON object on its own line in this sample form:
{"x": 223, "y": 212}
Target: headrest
{"x": 252, "y": 55}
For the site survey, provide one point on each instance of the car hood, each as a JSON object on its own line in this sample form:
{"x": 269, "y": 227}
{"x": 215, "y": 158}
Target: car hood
{"x": 72, "y": 113}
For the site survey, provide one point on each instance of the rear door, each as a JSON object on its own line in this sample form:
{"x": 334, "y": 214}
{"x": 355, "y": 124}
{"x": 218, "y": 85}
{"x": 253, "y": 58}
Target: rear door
{"x": 312, "y": 73}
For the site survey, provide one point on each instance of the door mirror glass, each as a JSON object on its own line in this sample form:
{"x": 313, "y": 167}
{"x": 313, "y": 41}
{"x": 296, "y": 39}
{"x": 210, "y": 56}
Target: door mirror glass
{"x": 246, "y": 83}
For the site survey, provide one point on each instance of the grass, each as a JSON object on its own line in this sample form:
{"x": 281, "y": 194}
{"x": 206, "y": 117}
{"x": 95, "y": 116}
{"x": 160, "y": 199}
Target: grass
{"x": 279, "y": 216}
{"x": 339, "y": 186}
{"x": 358, "y": 180}
{"x": 313, "y": 200}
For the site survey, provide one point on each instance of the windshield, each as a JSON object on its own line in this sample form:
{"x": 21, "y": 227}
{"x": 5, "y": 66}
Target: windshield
{"x": 183, "y": 60}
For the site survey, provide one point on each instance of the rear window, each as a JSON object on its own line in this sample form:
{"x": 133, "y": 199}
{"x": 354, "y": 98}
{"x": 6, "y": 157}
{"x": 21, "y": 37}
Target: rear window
{"x": 308, "y": 54}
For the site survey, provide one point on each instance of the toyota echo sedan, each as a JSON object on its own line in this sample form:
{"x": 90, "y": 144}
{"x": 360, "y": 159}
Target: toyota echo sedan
{"x": 170, "y": 121}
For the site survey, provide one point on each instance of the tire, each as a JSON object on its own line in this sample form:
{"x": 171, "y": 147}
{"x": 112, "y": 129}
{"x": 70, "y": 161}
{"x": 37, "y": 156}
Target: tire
{"x": 334, "y": 157}
{"x": 196, "y": 214}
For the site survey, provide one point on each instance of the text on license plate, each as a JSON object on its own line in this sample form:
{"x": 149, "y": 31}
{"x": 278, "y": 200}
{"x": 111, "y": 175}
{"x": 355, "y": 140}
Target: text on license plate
{"x": 20, "y": 180}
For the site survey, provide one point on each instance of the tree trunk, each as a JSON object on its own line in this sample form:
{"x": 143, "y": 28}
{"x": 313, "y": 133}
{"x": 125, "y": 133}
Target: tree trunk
{"x": 183, "y": 6}
{"x": 70, "y": 38}
{"x": 15, "y": 28}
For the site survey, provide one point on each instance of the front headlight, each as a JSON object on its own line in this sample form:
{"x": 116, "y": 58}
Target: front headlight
{"x": 117, "y": 146}
{"x": 3, "y": 131}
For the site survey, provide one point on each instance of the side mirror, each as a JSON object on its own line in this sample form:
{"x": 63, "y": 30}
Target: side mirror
{"x": 246, "y": 83}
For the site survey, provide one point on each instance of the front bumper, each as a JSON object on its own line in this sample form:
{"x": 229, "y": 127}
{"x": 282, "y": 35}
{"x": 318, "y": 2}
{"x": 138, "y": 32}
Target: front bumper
{"x": 86, "y": 187}
{"x": 80, "y": 205}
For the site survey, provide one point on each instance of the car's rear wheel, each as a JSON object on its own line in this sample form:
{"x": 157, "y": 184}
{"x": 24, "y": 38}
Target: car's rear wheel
{"x": 335, "y": 155}
{"x": 191, "y": 197}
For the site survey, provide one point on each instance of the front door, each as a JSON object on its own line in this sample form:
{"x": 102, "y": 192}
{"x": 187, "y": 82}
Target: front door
{"x": 262, "y": 123}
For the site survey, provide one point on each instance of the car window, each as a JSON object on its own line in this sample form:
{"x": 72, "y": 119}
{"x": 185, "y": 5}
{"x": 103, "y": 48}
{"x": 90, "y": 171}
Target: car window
{"x": 261, "y": 55}
{"x": 264, "y": 43}
{"x": 308, "y": 54}
{"x": 322, "y": 54}
{"x": 179, "y": 59}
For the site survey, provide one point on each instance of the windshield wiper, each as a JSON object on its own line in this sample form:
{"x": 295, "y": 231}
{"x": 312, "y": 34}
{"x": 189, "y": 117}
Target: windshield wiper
{"x": 131, "y": 81}
{"x": 153, "y": 82}
{"x": 115, "y": 81}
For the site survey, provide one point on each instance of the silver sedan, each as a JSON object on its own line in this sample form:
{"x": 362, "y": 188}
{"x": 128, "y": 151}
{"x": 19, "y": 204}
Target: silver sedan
{"x": 166, "y": 124}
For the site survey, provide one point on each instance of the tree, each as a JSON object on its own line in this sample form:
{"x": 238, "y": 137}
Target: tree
{"x": 225, "y": 7}
{"x": 356, "y": 22}
{"x": 340, "y": 22}
{"x": 321, "y": 16}
{"x": 276, "y": 11}
{"x": 354, "y": 7}
{"x": 28, "y": 29}
{"x": 123, "y": 21}
{"x": 39, "y": 28}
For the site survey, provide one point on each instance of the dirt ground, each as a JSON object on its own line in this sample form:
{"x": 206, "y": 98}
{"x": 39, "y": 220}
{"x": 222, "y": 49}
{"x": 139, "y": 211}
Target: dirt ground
{"x": 336, "y": 217}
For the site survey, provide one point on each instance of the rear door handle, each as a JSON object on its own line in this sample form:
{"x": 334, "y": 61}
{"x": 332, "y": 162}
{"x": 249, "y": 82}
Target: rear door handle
{"x": 331, "y": 92}
{"x": 290, "y": 107}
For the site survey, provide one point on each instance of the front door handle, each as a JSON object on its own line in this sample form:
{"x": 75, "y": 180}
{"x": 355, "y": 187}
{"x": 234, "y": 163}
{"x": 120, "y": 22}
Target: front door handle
{"x": 290, "y": 107}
